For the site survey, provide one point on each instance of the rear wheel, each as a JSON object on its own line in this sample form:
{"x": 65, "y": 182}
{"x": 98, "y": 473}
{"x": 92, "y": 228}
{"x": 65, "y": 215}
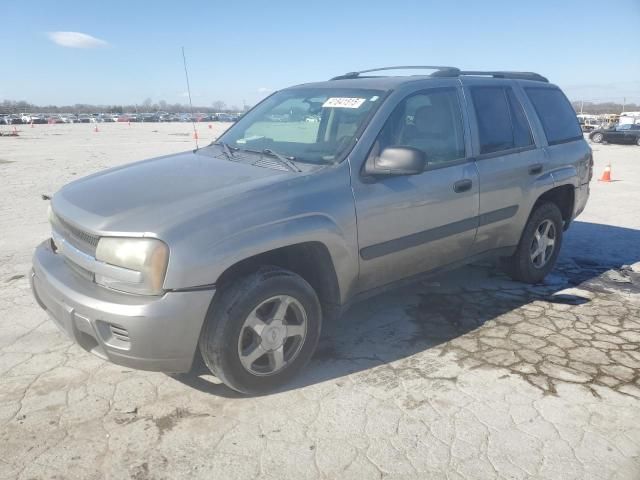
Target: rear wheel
{"x": 597, "y": 138}
{"x": 261, "y": 330}
{"x": 539, "y": 246}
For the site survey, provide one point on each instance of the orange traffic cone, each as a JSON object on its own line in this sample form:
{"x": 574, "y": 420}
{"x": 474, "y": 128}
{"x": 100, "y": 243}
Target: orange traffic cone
{"x": 96, "y": 128}
{"x": 195, "y": 135}
{"x": 606, "y": 175}
{"x": 210, "y": 127}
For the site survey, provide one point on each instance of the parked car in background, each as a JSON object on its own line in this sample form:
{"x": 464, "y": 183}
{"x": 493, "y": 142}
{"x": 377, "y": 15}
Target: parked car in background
{"x": 128, "y": 117}
{"x": 14, "y": 119}
{"x": 147, "y": 117}
{"x": 257, "y": 245}
{"x": 229, "y": 117}
{"x": 627, "y": 133}
{"x": 588, "y": 124}
{"x": 56, "y": 119}
{"x": 38, "y": 118}
{"x": 67, "y": 117}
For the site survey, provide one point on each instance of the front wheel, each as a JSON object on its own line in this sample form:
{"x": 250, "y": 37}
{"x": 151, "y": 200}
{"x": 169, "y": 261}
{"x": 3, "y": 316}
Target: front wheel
{"x": 638, "y": 141}
{"x": 597, "y": 138}
{"x": 539, "y": 246}
{"x": 261, "y": 330}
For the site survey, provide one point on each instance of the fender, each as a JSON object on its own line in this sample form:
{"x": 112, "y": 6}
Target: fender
{"x": 314, "y": 227}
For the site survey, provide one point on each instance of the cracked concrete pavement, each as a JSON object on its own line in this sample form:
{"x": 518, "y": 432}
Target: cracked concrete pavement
{"x": 463, "y": 376}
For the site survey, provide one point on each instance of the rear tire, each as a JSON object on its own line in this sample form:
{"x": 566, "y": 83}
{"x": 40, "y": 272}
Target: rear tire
{"x": 539, "y": 246}
{"x": 273, "y": 315}
{"x": 597, "y": 138}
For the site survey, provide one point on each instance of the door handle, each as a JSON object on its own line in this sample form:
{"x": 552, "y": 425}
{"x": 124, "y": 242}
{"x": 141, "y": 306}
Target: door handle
{"x": 535, "y": 169}
{"x": 462, "y": 185}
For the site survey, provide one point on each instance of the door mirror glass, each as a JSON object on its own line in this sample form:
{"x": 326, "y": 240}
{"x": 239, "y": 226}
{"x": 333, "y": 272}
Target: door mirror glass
{"x": 398, "y": 161}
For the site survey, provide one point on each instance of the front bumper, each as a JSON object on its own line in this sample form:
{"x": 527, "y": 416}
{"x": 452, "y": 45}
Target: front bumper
{"x": 147, "y": 333}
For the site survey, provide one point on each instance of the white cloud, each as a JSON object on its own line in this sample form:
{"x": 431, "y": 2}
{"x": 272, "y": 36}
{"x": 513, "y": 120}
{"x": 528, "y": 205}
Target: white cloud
{"x": 76, "y": 40}
{"x": 265, "y": 90}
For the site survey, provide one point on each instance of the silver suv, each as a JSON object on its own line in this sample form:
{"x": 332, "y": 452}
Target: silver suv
{"x": 317, "y": 197}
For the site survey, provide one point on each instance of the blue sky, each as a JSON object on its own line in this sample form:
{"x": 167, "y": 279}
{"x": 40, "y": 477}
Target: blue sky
{"x": 240, "y": 50}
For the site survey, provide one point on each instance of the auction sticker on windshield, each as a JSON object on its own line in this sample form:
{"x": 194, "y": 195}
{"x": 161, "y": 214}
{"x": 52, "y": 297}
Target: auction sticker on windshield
{"x": 343, "y": 102}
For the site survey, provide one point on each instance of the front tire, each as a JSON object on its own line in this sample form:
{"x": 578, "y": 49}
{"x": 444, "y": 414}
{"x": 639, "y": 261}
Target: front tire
{"x": 638, "y": 141}
{"x": 261, "y": 330}
{"x": 597, "y": 138}
{"x": 539, "y": 246}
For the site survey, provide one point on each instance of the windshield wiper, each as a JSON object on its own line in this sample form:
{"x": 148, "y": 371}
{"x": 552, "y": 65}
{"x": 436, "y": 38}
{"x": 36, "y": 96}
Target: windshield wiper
{"x": 283, "y": 160}
{"x": 226, "y": 149}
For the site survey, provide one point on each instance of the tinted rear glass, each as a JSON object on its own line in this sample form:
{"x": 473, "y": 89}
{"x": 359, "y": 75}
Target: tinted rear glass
{"x": 521, "y": 131}
{"x": 494, "y": 119}
{"x": 502, "y": 124}
{"x": 556, "y": 115}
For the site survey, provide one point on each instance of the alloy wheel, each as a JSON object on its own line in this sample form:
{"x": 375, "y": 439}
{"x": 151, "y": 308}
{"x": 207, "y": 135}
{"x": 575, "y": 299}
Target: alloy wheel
{"x": 543, "y": 244}
{"x": 272, "y": 335}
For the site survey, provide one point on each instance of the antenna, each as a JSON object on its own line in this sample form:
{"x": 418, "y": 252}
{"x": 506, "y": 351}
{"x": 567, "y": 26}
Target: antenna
{"x": 186, "y": 74}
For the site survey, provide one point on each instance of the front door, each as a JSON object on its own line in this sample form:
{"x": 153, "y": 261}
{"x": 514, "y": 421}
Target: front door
{"x": 412, "y": 224}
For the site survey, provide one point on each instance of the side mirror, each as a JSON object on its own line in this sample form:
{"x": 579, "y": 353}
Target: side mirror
{"x": 397, "y": 161}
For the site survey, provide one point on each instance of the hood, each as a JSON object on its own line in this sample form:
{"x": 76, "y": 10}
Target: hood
{"x": 147, "y": 196}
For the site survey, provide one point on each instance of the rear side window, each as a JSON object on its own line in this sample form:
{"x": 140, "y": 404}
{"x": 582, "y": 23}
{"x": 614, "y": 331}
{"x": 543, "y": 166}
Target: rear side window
{"x": 521, "y": 131}
{"x": 556, "y": 115}
{"x": 502, "y": 124}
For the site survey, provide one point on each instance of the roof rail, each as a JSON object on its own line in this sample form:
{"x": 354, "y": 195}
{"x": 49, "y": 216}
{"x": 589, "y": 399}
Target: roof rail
{"x": 442, "y": 71}
{"x": 447, "y": 71}
{"x": 495, "y": 74}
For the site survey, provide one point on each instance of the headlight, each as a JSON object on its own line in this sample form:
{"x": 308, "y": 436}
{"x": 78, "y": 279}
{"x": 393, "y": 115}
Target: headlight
{"x": 149, "y": 256}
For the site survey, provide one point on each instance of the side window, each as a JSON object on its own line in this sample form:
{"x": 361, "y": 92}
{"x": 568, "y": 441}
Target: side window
{"x": 556, "y": 115}
{"x": 494, "y": 119}
{"x": 502, "y": 124}
{"x": 521, "y": 130}
{"x": 430, "y": 121}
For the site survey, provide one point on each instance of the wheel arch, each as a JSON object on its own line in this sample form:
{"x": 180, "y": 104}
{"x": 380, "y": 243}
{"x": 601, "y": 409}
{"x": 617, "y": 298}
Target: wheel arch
{"x": 563, "y": 196}
{"x": 311, "y": 260}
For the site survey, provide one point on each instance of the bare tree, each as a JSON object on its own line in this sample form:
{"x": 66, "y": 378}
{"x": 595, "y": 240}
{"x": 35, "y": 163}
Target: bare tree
{"x": 218, "y": 105}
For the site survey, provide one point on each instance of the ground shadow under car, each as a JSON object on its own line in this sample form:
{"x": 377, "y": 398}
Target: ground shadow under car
{"x": 431, "y": 313}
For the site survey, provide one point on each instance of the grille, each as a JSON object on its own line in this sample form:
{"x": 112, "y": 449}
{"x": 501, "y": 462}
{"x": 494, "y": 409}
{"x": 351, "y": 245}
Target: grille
{"x": 81, "y": 240}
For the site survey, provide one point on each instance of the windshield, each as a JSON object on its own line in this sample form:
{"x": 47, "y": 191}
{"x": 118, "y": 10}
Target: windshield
{"x": 316, "y": 125}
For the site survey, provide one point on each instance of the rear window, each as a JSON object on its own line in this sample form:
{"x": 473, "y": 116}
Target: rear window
{"x": 556, "y": 115}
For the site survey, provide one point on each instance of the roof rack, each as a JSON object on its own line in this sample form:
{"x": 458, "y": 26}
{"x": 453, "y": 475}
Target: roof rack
{"x": 495, "y": 74}
{"x": 442, "y": 71}
{"x": 449, "y": 70}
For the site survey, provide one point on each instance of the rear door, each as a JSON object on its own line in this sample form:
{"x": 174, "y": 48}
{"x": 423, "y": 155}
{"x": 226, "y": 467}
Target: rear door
{"x": 411, "y": 224}
{"x": 511, "y": 167}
